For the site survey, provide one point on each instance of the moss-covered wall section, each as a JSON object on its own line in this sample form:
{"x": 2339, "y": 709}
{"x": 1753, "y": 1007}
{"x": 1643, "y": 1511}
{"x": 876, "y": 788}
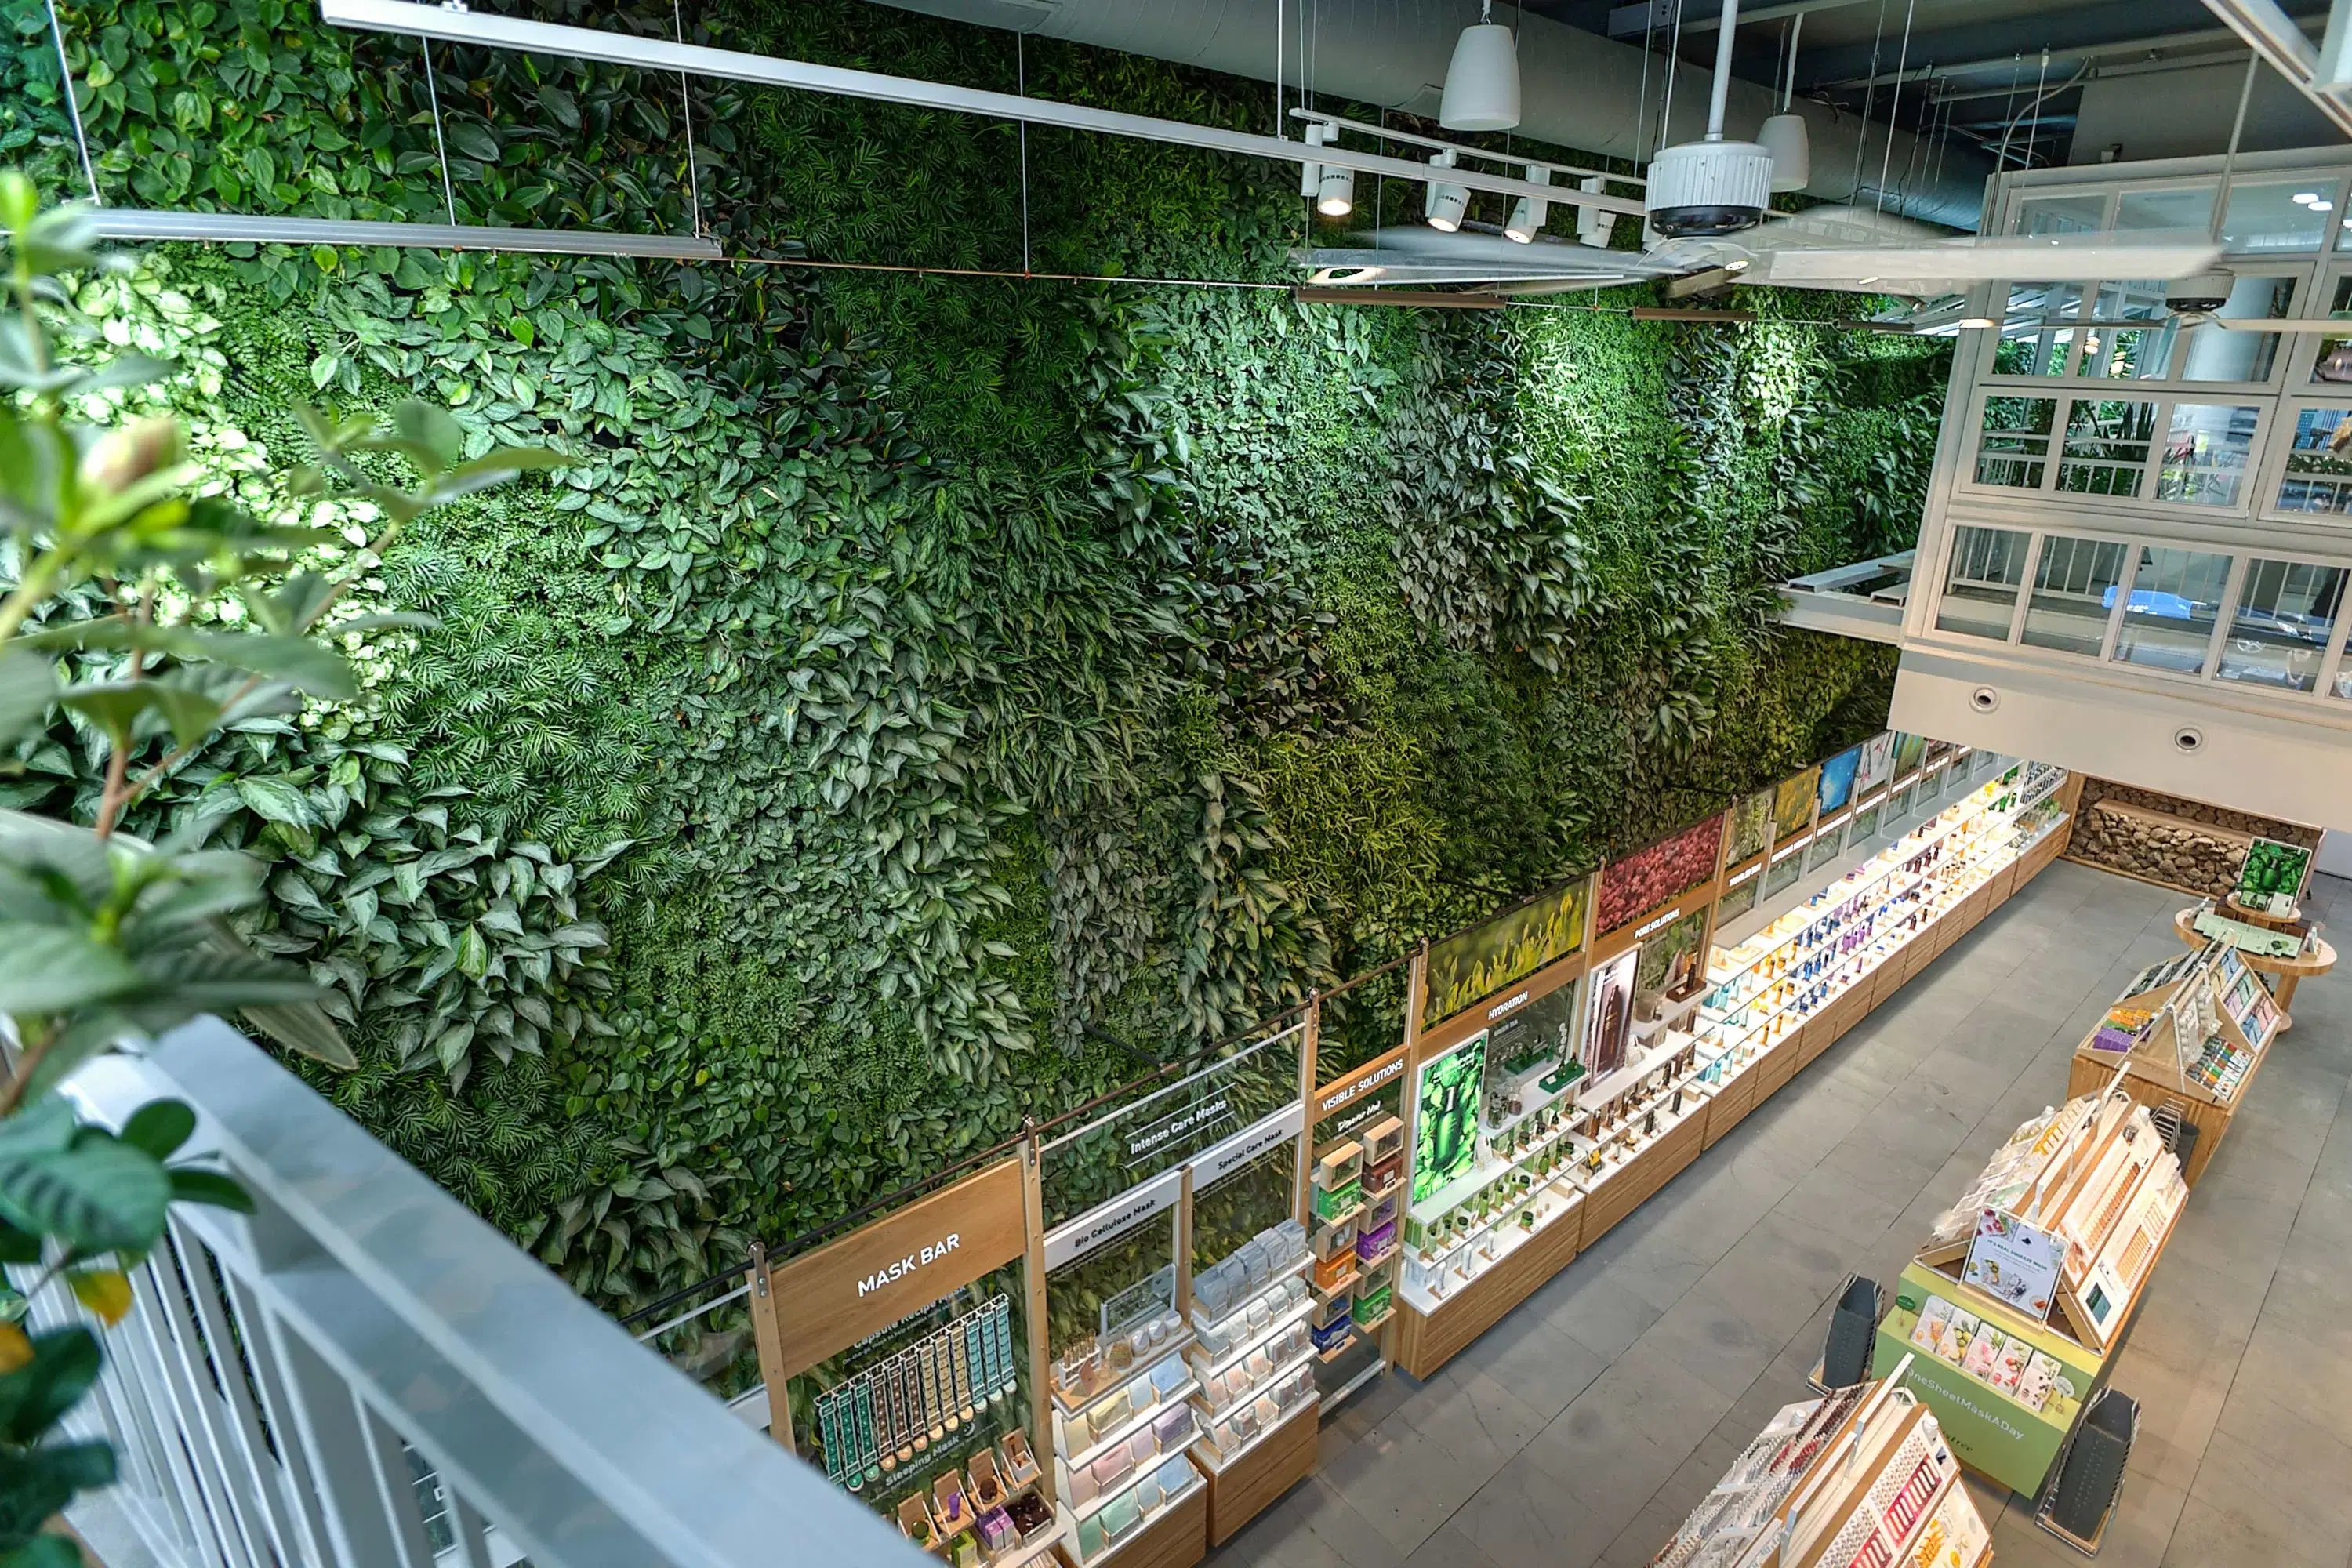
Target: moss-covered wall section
{"x": 918, "y": 684}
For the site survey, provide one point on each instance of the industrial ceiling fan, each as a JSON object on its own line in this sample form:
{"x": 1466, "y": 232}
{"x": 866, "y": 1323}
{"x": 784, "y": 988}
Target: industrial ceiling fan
{"x": 1708, "y": 222}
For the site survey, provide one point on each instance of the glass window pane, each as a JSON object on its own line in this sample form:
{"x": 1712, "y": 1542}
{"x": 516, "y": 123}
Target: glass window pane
{"x": 2033, "y": 342}
{"x": 2217, "y": 353}
{"x": 2015, "y": 440}
{"x": 2062, "y": 214}
{"x": 2108, "y": 443}
{"x": 2131, "y": 353}
{"x": 2205, "y": 453}
{"x": 2319, "y": 464}
{"x": 2269, "y": 218}
{"x": 2333, "y": 365}
{"x": 2189, "y": 208}
{"x": 2073, "y": 590}
{"x": 1981, "y": 589}
{"x": 2286, "y": 613}
{"x": 2168, "y": 619}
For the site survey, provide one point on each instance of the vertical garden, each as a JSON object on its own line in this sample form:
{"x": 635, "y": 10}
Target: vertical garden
{"x": 919, "y": 697}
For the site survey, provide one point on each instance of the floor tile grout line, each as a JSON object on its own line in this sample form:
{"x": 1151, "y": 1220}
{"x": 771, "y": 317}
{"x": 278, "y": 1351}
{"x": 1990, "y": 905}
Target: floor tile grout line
{"x": 2344, "y": 1097}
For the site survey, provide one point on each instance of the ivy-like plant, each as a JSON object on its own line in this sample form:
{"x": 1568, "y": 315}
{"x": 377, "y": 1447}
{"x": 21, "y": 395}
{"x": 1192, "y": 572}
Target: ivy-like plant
{"x": 209, "y": 618}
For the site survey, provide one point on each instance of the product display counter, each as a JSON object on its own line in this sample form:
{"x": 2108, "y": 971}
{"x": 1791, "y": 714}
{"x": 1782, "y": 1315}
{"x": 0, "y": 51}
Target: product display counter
{"x": 1862, "y": 1479}
{"x": 2188, "y": 1037}
{"x": 2015, "y": 1307}
{"x": 1552, "y": 1181}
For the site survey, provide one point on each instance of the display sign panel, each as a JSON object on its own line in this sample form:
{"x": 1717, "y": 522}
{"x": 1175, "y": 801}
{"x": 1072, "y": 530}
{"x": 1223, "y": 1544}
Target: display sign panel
{"x": 1608, "y": 1014}
{"x": 1665, "y": 870}
{"x": 1792, "y": 804}
{"x": 1878, "y": 763}
{"x": 2015, "y": 1263}
{"x": 1750, "y": 829}
{"x": 2272, "y": 876}
{"x": 901, "y": 1263}
{"x": 1479, "y": 962}
{"x": 1445, "y": 1125}
{"x": 1837, "y": 782}
{"x": 1910, "y": 751}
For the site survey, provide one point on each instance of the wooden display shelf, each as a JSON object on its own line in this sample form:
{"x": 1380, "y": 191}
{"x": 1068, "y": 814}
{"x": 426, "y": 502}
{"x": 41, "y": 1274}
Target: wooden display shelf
{"x": 2091, "y": 1070}
{"x": 1177, "y": 1538}
{"x": 1730, "y": 1104}
{"x": 1421, "y": 1343}
{"x": 1628, "y": 1187}
{"x": 1259, "y": 1473}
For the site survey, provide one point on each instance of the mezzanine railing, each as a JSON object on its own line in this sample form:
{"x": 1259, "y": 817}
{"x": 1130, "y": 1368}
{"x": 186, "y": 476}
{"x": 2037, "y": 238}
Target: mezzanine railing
{"x": 363, "y": 1375}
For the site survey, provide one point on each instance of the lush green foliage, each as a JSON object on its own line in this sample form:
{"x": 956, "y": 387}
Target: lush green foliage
{"x": 912, "y": 680}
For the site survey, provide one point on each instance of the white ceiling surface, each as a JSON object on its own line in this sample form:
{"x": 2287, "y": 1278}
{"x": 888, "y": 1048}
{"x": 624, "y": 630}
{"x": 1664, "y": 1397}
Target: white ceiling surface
{"x": 2253, "y": 760}
{"x": 2185, "y": 113}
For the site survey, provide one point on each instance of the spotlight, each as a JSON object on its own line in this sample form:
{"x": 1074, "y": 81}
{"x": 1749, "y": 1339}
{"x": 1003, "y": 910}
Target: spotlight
{"x": 1441, "y": 204}
{"x": 1482, "y": 83}
{"x": 1335, "y": 194}
{"x": 1528, "y": 213}
{"x": 1333, "y": 190}
{"x": 2305, "y": 197}
{"x": 1976, "y": 322}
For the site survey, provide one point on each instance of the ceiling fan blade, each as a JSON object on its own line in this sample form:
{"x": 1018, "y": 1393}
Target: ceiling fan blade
{"x": 1903, "y": 268}
{"x": 2340, "y": 326}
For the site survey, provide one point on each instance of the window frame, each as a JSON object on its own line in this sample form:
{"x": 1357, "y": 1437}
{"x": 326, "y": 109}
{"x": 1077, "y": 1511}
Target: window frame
{"x": 2065, "y": 395}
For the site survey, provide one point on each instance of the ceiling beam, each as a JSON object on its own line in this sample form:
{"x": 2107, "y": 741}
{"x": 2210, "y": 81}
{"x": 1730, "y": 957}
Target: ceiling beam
{"x": 2105, "y": 27}
{"x": 1705, "y": 16}
{"x": 2278, "y": 38}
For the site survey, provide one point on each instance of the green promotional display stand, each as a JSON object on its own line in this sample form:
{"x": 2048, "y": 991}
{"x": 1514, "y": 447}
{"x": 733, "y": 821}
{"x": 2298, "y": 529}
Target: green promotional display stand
{"x": 1992, "y": 1429}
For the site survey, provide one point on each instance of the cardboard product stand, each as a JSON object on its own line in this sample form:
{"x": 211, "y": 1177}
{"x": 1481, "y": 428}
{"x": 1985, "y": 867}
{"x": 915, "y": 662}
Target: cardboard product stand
{"x": 2011, "y": 1314}
{"x": 1117, "y": 1338}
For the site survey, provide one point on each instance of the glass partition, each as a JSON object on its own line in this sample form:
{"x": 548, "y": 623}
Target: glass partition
{"x": 2069, "y": 214}
{"x": 2073, "y": 595}
{"x": 2318, "y": 474}
{"x": 2014, "y": 444}
{"x": 1980, "y": 588}
{"x": 2036, "y": 336}
{"x": 2187, "y": 206}
{"x": 2206, "y": 449}
{"x": 2168, "y": 620}
{"x": 2108, "y": 443}
{"x": 2285, "y": 615}
{"x": 2219, "y": 353}
{"x": 2269, "y": 218}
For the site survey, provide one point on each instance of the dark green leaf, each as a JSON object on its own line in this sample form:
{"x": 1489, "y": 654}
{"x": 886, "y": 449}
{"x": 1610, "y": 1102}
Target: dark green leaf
{"x": 99, "y": 1195}
{"x": 50, "y": 969}
{"x": 158, "y": 1127}
{"x": 191, "y": 1187}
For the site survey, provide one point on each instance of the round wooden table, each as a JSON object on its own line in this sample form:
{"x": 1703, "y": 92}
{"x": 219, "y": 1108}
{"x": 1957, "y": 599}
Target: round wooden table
{"x": 2286, "y": 973}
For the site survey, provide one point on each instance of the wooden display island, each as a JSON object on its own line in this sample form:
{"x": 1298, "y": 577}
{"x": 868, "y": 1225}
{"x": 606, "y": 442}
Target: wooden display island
{"x": 2199, "y": 1082}
{"x": 2287, "y": 971}
{"x": 2011, "y": 1314}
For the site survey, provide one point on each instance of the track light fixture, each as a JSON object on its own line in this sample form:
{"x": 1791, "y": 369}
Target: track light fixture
{"x": 1443, "y": 205}
{"x": 1332, "y": 187}
{"x": 1528, "y": 213}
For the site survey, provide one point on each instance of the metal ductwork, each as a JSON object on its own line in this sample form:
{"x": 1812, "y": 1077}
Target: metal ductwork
{"x": 1579, "y": 90}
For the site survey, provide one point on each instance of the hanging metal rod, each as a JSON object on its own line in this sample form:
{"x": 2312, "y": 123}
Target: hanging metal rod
{"x": 131, "y": 223}
{"x": 406, "y": 16}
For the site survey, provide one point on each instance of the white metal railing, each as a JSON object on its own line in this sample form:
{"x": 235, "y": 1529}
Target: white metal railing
{"x": 364, "y": 1374}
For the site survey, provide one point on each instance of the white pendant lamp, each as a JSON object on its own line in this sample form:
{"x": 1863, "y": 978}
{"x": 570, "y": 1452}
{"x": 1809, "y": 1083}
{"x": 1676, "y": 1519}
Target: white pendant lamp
{"x": 1784, "y": 136}
{"x": 1442, "y": 204}
{"x": 1482, "y": 84}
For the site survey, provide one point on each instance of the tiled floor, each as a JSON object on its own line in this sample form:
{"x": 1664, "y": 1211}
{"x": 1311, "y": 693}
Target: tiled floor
{"x": 1581, "y": 1428}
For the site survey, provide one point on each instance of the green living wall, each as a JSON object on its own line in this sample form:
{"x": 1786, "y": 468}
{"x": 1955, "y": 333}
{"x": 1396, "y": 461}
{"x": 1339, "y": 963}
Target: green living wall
{"x": 923, "y": 695}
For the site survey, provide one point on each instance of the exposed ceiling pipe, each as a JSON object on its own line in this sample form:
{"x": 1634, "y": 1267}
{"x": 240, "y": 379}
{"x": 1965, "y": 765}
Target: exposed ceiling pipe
{"x": 1576, "y": 88}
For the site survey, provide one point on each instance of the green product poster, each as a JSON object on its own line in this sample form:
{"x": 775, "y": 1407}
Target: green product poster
{"x": 1446, "y": 1137}
{"x": 2272, "y": 870}
{"x": 2006, "y": 1389}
